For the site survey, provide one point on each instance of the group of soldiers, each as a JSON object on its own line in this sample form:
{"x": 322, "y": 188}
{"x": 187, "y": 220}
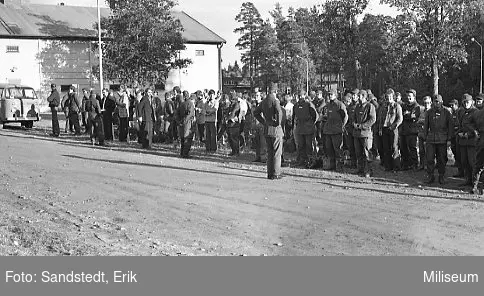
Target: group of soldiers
{"x": 404, "y": 134}
{"x": 353, "y": 128}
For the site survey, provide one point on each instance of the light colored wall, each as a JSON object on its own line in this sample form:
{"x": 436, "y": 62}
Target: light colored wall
{"x": 202, "y": 74}
{"x": 40, "y": 63}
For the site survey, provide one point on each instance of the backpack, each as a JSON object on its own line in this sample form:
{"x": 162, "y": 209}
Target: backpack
{"x": 89, "y": 106}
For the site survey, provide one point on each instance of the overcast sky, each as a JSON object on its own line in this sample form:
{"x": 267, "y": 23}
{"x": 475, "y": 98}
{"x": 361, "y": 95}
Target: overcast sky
{"x": 219, "y": 15}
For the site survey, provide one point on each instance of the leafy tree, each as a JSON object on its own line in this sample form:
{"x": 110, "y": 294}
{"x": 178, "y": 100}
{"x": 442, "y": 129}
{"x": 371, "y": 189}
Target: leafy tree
{"x": 250, "y": 30}
{"x": 144, "y": 41}
{"x": 340, "y": 20}
{"x": 439, "y": 25}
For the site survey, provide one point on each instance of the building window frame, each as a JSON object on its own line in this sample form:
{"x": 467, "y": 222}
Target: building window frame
{"x": 199, "y": 52}
{"x": 13, "y": 49}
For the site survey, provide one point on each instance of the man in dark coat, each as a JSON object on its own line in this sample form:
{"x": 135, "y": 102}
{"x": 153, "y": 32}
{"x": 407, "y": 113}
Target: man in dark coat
{"x": 54, "y": 101}
{"x": 438, "y": 131}
{"x": 477, "y": 128}
{"x": 185, "y": 118}
{"x": 270, "y": 114}
{"x": 304, "y": 120}
{"x": 408, "y": 138}
{"x": 169, "y": 117}
{"x": 146, "y": 119}
{"x": 108, "y": 104}
{"x": 74, "y": 109}
{"x": 336, "y": 119}
{"x": 466, "y": 138}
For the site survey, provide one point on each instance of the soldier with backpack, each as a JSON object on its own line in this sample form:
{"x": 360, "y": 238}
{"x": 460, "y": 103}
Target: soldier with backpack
{"x": 94, "y": 119}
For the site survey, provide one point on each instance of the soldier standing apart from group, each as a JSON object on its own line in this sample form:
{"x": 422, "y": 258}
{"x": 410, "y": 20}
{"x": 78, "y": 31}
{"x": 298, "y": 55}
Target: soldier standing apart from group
{"x": 337, "y": 117}
{"x": 466, "y": 138}
{"x": 210, "y": 110}
{"x": 233, "y": 126}
{"x": 185, "y": 117}
{"x": 269, "y": 113}
{"x": 409, "y": 136}
{"x": 363, "y": 119}
{"x": 74, "y": 109}
{"x": 477, "y": 127}
{"x": 146, "y": 119}
{"x": 304, "y": 120}
{"x": 54, "y": 101}
{"x": 438, "y": 131}
{"x": 389, "y": 119}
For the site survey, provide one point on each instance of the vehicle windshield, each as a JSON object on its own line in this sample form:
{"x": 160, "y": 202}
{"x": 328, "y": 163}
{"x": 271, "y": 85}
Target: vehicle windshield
{"x": 27, "y": 93}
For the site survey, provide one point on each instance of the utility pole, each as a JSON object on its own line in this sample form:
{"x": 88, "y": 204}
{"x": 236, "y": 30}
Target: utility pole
{"x": 480, "y": 85}
{"x": 100, "y": 47}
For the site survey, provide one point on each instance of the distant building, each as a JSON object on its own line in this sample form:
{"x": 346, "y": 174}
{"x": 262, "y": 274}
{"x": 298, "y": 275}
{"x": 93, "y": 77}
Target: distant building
{"x": 40, "y": 44}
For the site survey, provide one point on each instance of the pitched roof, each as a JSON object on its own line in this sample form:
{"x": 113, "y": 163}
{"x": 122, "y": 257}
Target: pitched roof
{"x": 78, "y": 23}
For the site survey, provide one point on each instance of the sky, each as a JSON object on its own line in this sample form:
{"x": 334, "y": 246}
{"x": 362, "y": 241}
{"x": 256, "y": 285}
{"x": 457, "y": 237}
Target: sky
{"x": 219, "y": 15}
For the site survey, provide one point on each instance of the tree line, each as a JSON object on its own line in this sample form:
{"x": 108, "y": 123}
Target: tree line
{"x": 427, "y": 46}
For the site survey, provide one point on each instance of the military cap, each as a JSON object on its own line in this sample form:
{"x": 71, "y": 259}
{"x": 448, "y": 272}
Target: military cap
{"x": 355, "y": 91}
{"x": 390, "y": 91}
{"x": 412, "y": 91}
{"x": 455, "y": 102}
{"x": 466, "y": 97}
{"x": 438, "y": 98}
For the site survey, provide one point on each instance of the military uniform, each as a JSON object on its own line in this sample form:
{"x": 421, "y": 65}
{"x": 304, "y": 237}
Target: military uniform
{"x": 363, "y": 119}
{"x": 305, "y": 117}
{"x": 438, "y": 130}
{"x": 185, "y": 118}
{"x": 336, "y": 120}
{"x": 233, "y": 127}
{"x": 408, "y": 138}
{"x": 477, "y": 127}
{"x": 466, "y": 142}
{"x": 389, "y": 120}
{"x": 272, "y": 119}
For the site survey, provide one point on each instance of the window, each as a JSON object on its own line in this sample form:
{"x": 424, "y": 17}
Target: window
{"x": 199, "y": 53}
{"x": 65, "y": 87}
{"x": 12, "y": 48}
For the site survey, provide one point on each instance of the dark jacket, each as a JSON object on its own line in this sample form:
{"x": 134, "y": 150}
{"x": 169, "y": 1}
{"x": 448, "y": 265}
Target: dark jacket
{"x": 394, "y": 114}
{"x": 351, "y": 113}
{"x": 169, "y": 110}
{"x": 145, "y": 110}
{"x": 54, "y": 99}
{"x": 91, "y": 106}
{"x": 411, "y": 114}
{"x": 185, "y": 117}
{"x": 108, "y": 104}
{"x": 304, "y": 118}
{"x": 365, "y": 117}
{"x": 157, "y": 107}
{"x": 477, "y": 126}
{"x": 75, "y": 103}
{"x": 233, "y": 116}
{"x": 336, "y": 118}
{"x": 270, "y": 114}
{"x": 438, "y": 126}
{"x": 464, "y": 123}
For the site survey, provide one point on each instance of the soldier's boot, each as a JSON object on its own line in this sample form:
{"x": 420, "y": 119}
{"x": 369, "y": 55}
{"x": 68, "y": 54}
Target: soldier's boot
{"x": 339, "y": 165}
{"x": 430, "y": 179}
{"x": 441, "y": 179}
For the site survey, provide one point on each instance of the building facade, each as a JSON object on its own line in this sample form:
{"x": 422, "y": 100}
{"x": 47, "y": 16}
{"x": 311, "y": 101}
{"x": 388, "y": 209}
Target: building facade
{"x": 43, "y": 44}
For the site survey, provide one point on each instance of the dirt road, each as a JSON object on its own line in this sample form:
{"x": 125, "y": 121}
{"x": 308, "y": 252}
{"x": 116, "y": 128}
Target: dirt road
{"x": 65, "y": 197}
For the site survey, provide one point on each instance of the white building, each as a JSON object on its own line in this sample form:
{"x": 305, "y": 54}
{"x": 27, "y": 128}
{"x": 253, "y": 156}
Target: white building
{"x": 43, "y": 44}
